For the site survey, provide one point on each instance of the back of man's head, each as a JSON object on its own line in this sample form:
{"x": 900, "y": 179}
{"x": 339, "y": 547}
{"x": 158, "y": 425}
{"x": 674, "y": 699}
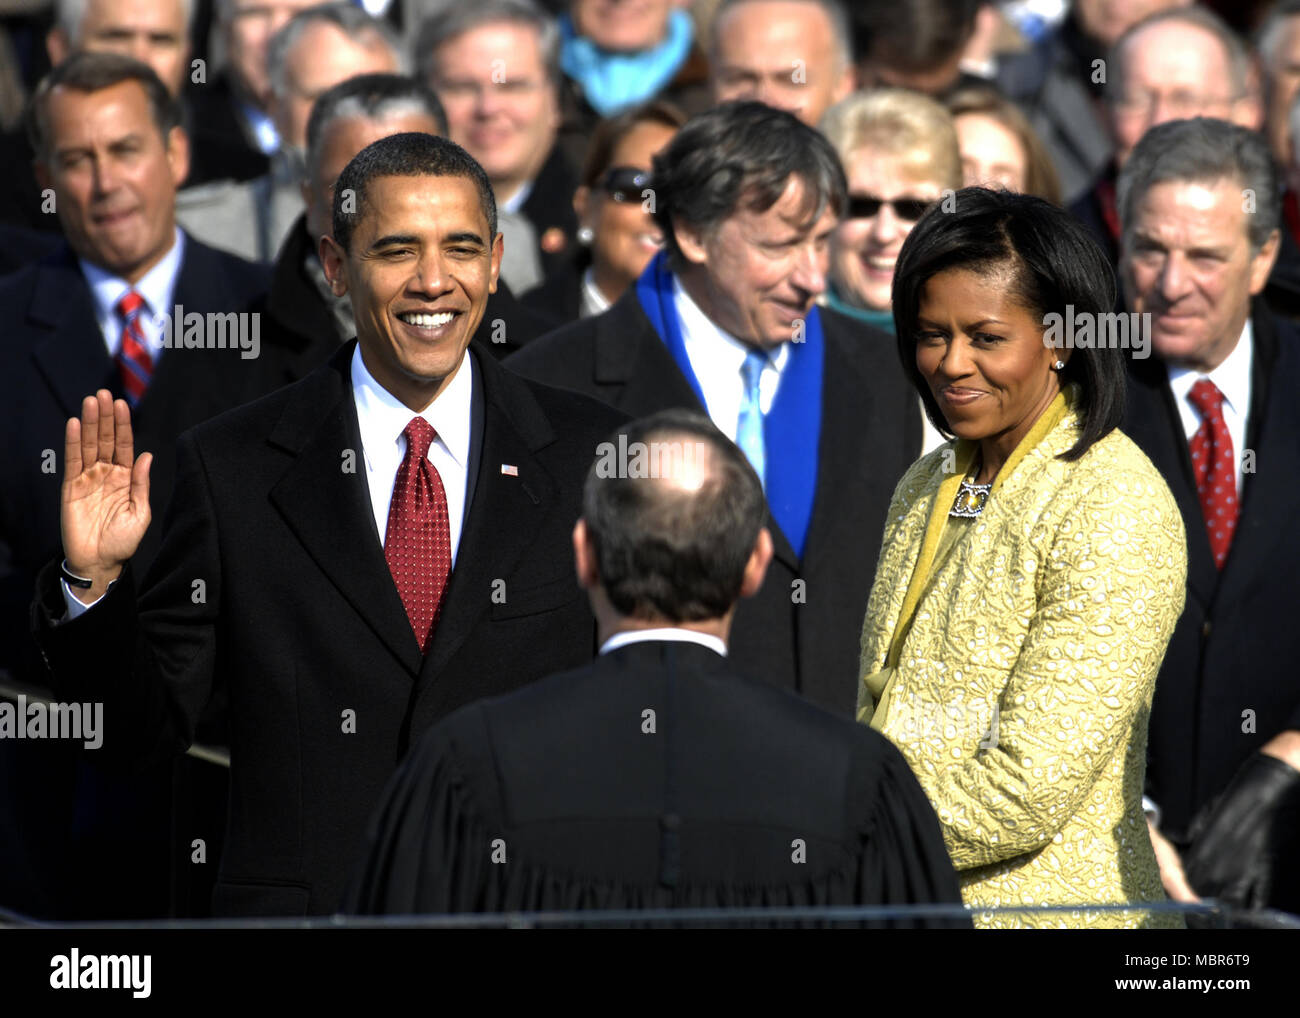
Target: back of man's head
{"x": 672, "y": 511}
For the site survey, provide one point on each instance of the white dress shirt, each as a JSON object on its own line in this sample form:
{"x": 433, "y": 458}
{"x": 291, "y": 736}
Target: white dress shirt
{"x": 1232, "y": 378}
{"x": 382, "y": 419}
{"x": 157, "y": 287}
{"x": 669, "y": 634}
{"x": 716, "y": 357}
{"x": 591, "y": 301}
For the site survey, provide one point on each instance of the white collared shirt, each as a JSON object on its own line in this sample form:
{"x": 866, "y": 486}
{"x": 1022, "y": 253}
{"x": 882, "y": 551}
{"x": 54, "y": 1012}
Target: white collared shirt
{"x": 516, "y": 201}
{"x": 592, "y": 302}
{"x": 669, "y": 634}
{"x": 1232, "y": 378}
{"x": 383, "y": 418}
{"x": 716, "y": 357}
{"x": 157, "y": 287}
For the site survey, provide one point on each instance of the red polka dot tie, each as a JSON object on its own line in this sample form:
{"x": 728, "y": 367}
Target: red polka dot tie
{"x": 1216, "y": 469}
{"x": 133, "y": 360}
{"x": 418, "y": 542}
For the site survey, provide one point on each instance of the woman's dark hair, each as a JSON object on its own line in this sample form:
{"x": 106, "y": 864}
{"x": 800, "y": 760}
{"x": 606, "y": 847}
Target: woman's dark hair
{"x": 611, "y": 131}
{"x": 1052, "y": 263}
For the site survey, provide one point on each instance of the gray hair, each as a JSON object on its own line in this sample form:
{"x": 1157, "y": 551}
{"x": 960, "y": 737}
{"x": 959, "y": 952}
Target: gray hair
{"x": 454, "y": 19}
{"x": 69, "y": 14}
{"x": 348, "y": 18}
{"x": 841, "y": 30}
{"x": 370, "y": 97}
{"x": 1239, "y": 59}
{"x": 742, "y": 154}
{"x": 1203, "y": 150}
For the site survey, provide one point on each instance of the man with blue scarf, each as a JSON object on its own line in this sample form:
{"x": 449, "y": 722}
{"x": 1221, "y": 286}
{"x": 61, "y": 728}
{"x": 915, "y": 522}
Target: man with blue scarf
{"x": 725, "y": 320}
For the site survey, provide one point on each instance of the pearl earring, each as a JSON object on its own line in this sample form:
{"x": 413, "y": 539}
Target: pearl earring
{"x": 586, "y": 235}
{"x": 1059, "y": 365}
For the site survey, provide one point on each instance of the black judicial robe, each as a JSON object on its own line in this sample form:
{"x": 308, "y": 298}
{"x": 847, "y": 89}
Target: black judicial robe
{"x": 570, "y": 794}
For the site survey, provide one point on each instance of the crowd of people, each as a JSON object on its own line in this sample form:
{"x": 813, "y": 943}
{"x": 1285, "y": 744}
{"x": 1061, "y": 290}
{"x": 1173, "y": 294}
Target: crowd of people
{"x": 339, "y": 336}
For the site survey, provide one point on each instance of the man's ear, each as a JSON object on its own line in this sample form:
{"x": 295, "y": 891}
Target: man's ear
{"x": 691, "y": 242}
{"x": 498, "y": 249}
{"x": 756, "y": 567}
{"x": 332, "y": 258}
{"x": 57, "y": 45}
{"x": 584, "y": 557}
{"x": 1261, "y": 264}
{"x": 178, "y": 155}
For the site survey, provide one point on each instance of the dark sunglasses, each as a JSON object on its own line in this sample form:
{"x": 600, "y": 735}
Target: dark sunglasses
{"x": 865, "y": 206}
{"x": 625, "y": 183}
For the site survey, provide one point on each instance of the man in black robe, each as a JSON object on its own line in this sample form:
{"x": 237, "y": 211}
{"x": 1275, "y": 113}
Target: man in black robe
{"x": 657, "y": 776}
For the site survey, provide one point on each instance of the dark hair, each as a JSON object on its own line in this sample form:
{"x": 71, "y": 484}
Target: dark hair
{"x": 372, "y": 97}
{"x": 86, "y": 71}
{"x": 1053, "y": 262}
{"x": 913, "y": 35}
{"x": 664, "y": 553}
{"x": 611, "y": 131}
{"x": 410, "y": 154}
{"x": 738, "y": 152}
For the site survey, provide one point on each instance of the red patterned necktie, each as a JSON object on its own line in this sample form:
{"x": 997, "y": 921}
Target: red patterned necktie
{"x": 418, "y": 542}
{"x": 133, "y": 359}
{"x": 1216, "y": 469}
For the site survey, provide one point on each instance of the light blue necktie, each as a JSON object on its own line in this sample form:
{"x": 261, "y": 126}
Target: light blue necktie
{"x": 749, "y": 427}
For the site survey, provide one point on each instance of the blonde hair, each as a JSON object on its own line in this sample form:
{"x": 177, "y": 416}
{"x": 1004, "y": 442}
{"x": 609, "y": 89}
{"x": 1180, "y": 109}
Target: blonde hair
{"x": 912, "y": 127}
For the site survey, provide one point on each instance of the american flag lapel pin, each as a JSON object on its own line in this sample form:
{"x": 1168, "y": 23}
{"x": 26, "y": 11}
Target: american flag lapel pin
{"x": 509, "y": 469}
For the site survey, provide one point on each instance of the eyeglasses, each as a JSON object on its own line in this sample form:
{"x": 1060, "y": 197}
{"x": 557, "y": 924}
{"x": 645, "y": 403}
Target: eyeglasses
{"x": 625, "y": 183}
{"x": 865, "y": 206}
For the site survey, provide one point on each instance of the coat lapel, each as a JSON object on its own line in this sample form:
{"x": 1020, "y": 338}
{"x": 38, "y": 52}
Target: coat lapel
{"x": 71, "y": 356}
{"x": 324, "y": 498}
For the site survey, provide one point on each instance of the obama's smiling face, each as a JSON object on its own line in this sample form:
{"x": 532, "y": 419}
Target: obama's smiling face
{"x": 419, "y": 266}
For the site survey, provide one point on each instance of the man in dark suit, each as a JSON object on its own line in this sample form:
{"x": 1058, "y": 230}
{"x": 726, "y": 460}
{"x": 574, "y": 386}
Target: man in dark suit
{"x": 378, "y": 544}
{"x": 94, "y": 314}
{"x": 1216, "y": 411}
{"x": 746, "y": 197}
{"x": 304, "y": 322}
{"x": 658, "y": 776}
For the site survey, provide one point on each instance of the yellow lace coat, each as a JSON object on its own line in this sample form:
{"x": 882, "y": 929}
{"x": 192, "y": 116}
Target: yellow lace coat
{"x": 1022, "y": 691}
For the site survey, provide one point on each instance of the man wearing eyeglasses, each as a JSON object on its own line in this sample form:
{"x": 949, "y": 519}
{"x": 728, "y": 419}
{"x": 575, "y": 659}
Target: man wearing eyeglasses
{"x": 1174, "y": 65}
{"x": 494, "y": 64}
{"x": 726, "y": 320}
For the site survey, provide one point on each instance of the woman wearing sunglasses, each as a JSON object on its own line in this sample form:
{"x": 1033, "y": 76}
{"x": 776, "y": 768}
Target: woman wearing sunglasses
{"x": 899, "y": 151}
{"x": 617, "y": 235}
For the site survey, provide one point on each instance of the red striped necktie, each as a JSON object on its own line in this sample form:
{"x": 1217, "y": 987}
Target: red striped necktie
{"x": 133, "y": 359}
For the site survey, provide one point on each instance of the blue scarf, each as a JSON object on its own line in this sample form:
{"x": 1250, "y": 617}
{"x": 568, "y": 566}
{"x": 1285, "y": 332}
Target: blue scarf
{"x": 791, "y": 429}
{"x": 615, "y": 81}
